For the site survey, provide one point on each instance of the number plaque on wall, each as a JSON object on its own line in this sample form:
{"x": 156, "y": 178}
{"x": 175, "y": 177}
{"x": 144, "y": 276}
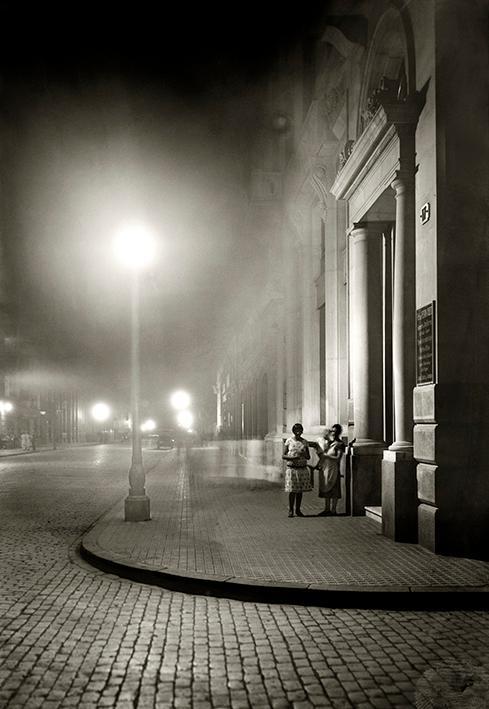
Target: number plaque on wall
{"x": 425, "y": 344}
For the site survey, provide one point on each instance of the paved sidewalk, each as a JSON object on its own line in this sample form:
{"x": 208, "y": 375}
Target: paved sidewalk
{"x": 217, "y": 528}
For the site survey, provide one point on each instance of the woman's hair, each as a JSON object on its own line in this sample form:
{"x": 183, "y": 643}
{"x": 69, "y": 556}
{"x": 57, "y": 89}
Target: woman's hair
{"x": 297, "y": 427}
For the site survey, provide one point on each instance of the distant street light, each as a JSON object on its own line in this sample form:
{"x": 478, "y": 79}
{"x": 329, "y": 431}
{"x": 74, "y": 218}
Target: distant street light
{"x": 185, "y": 419}
{"x": 101, "y": 412}
{"x": 135, "y": 248}
{"x": 180, "y": 400}
{"x": 5, "y": 407}
{"x": 148, "y": 425}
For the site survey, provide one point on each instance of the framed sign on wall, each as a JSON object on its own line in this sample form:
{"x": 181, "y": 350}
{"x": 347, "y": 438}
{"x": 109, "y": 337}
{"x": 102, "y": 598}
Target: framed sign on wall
{"x": 425, "y": 344}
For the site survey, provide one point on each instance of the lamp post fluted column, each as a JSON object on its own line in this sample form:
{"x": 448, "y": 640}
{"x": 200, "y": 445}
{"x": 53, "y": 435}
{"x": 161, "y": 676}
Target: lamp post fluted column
{"x": 136, "y": 506}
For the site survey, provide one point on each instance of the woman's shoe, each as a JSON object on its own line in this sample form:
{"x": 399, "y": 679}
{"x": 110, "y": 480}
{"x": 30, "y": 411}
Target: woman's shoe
{"x": 324, "y": 513}
{"x": 291, "y": 514}
{"x": 298, "y": 513}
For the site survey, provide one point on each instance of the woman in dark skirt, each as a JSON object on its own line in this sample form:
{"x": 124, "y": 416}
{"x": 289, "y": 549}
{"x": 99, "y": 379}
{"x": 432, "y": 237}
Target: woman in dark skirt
{"x": 330, "y": 452}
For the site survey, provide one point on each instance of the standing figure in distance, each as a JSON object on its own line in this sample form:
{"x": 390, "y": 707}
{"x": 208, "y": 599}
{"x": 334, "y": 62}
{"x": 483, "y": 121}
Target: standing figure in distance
{"x": 330, "y": 450}
{"x": 297, "y": 476}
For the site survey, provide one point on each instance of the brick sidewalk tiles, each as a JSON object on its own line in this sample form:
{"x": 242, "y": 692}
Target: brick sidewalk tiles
{"x": 211, "y": 518}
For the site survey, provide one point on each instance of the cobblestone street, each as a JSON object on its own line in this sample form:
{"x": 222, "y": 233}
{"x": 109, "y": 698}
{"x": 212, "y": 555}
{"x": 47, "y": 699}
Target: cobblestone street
{"x": 74, "y": 636}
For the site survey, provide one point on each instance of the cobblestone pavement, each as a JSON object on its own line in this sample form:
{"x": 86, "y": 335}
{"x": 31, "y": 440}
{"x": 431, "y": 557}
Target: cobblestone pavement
{"x": 73, "y": 636}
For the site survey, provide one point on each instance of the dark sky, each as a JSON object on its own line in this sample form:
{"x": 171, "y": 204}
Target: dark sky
{"x": 111, "y": 112}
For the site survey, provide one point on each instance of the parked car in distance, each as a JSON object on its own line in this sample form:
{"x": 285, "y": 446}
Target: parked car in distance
{"x": 165, "y": 440}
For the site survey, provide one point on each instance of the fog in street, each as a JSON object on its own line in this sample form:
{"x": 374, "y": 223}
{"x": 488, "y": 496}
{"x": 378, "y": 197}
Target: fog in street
{"x": 110, "y": 117}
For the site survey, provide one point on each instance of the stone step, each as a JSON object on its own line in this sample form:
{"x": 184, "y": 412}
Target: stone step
{"x": 374, "y": 513}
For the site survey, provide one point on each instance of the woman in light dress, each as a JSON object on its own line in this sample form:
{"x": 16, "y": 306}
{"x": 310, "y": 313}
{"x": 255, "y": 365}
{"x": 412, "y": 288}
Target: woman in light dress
{"x": 330, "y": 451}
{"x": 297, "y": 476}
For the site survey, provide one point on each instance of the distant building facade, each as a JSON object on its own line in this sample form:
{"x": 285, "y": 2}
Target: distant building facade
{"x": 369, "y": 195}
{"x": 53, "y": 414}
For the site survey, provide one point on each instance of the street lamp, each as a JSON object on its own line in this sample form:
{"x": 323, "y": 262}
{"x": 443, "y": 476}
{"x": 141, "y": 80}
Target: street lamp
{"x": 135, "y": 248}
{"x": 100, "y": 411}
{"x": 180, "y": 400}
{"x": 5, "y": 408}
{"x": 148, "y": 425}
{"x": 185, "y": 419}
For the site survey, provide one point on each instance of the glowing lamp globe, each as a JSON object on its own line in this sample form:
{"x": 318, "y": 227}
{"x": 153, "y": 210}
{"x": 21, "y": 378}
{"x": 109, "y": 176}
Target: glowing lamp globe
{"x": 100, "y": 412}
{"x": 180, "y": 400}
{"x": 148, "y": 425}
{"x": 185, "y": 419}
{"x": 135, "y": 246}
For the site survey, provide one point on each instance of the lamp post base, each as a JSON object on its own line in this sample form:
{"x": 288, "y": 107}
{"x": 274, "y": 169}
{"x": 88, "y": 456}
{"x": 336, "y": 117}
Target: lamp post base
{"x": 136, "y": 508}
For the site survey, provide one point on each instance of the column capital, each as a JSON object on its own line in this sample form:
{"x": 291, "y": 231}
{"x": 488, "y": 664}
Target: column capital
{"x": 359, "y": 231}
{"x": 359, "y": 225}
{"x": 403, "y": 114}
{"x": 362, "y": 230}
{"x": 403, "y": 180}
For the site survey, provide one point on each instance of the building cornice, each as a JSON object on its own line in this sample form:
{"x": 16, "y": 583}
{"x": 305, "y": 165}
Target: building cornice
{"x": 384, "y": 127}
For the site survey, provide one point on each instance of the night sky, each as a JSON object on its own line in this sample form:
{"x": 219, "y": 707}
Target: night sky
{"x": 112, "y": 112}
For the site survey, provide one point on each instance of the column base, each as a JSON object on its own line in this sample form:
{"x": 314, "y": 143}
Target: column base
{"x": 401, "y": 446}
{"x": 399, "y": 496}
{"x": 428, "y": 528}
{"x": 136, "y": 508}
{"x": 365, "y": 481}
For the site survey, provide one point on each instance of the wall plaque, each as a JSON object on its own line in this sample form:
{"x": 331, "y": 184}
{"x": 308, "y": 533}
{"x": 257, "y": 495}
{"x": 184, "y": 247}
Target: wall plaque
{"x": 425, "y": 344}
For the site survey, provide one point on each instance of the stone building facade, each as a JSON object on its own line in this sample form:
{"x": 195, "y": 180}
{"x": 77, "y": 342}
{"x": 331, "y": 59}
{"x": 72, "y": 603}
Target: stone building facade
{"x": 374, "y": 192}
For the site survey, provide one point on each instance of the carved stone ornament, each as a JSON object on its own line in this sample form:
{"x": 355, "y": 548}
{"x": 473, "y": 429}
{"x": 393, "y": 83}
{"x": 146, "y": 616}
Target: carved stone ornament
{"x": 345, "y": 154}
{"x": 317, "y": 178}
{"x": 388, "y": 91}
{"x": 331, "y": 101}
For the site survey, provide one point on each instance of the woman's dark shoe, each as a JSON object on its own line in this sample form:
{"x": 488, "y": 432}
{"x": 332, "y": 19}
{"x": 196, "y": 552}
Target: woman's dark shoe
{"x": 324, "y": 513}
{"x": 298, "y": 513}
{"x": 291, "y": 514}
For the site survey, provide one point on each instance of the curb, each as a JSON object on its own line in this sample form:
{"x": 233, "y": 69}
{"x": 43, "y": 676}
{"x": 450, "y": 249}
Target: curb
{"x": 426, "y": 598}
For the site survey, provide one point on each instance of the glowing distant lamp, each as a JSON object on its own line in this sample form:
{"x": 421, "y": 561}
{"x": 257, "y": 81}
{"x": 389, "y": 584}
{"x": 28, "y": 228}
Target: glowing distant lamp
{"x": 100, "y": 412}
{"x": 148, "y": 425}
{"x": 135, "y": 247}
{"x": 6, "y": 407}
{"x": 185, "y": 419}
{"x": 180, "y": 400}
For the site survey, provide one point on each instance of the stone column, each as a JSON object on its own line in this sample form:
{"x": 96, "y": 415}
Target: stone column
{"x": 399, "y": 494}
{"x": 310, "y": 375}
{"x": 289, "y": 345}
{"x": 403, "y": 314}
{"x": 366, "y": 364}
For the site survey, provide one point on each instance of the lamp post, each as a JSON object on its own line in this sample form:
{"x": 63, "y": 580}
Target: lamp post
{"x": 180, "y": 400}
{"x": 135, "y": 247}
{"x": 101, "y": 412}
